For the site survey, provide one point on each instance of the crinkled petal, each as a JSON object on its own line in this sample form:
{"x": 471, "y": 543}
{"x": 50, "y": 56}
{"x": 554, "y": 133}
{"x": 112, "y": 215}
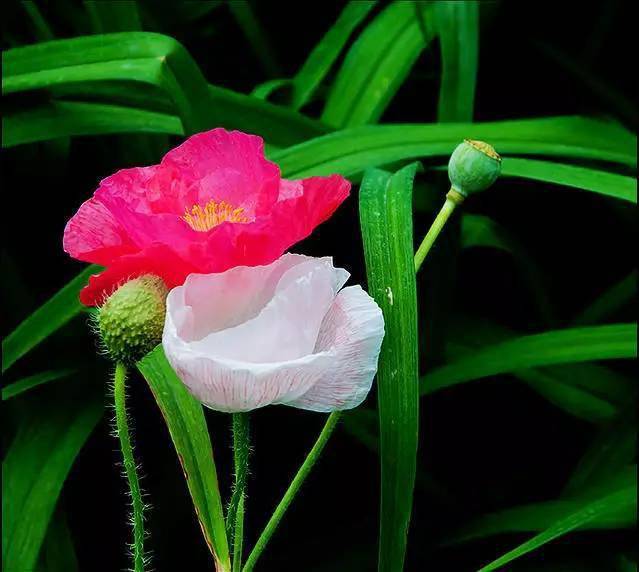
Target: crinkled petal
{"x": 227, "y": 166}
{"x": 352, "y": 334}
{"x": 305, "y": 204}
{"x": 94, "y": 235}
{"x": 263, "y": 353}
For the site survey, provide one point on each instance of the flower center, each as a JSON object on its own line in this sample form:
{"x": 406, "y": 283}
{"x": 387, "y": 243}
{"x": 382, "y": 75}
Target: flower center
{"x": 213, "y": 213}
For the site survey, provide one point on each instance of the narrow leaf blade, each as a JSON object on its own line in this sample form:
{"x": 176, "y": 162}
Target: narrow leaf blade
{"x": 387, "y": 230}
{"x": 185, "y": 420}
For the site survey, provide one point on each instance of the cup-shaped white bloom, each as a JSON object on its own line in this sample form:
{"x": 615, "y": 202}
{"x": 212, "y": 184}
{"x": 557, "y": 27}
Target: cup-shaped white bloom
{"x": 283, "y": 333}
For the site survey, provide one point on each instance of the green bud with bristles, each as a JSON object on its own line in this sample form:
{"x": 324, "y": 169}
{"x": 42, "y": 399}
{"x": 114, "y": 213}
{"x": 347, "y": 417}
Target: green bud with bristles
{"x": 131, "y": 320}
{"x": 473, "y": 166}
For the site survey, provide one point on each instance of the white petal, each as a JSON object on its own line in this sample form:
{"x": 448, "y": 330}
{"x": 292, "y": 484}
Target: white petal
{"x": 269, "y": 357}
{"x": 288, "y": 326}
{"x": 352, "y": 334}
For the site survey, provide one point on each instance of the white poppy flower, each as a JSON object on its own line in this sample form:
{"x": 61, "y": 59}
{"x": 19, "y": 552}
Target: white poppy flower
{"x": 282, "y": 333}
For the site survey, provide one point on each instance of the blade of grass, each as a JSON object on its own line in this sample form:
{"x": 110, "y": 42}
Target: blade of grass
{"x": 610, "y": 301}
{"x": 49, "y": 436}
{"x": 186, "y": 423}
{"x": 351, "y": 151}
{"x": 265, "y": 90}
{"x": 614, "y": 448}
{"x": 58, "y": 553}
{"x": 586, "y": 390}
{"x": 48, "y": 318}
{"x": 545, "y": 516}
{"x": 457, "y": 25}
{"x": 120, "y": 16}
{"x": 375, "y": 67}
{"x": 604, "y": 507}
{"x": 387, "y": 231}
{"x": 255, "y": 35}
{"x": 27, "y": 383}
{"x": 595, "y": 180}
{"x": 555, "y": 347}
{"x": 70, "y": 118}
{"x": 327, "y": 50}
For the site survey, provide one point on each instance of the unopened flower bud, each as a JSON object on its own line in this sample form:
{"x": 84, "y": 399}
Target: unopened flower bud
{"x": 473, "y": 166}
{"x": 132, "y": 319}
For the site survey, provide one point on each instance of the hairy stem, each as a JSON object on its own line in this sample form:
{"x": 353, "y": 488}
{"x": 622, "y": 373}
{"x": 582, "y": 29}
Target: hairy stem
{"x": 130, "y": 467}
{"x": 292, "y": 490}
{"x": 235, "y": 515}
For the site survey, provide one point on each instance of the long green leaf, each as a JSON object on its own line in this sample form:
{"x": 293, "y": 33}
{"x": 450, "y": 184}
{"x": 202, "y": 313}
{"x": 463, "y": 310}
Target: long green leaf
{"x": 353, "y": 150}
{"x": 542, "y": 516}
{"x": 614, "y": 448}
{"x": 255, "y": 35}
{"x": 121, "y": 61}
{"x": 610, "y": 301}
{"x": 48, "y": 318}
{"x": 327, "y": 50}
{"x": 375, "y": 67}
{"x": 70, "y": 118}
{"x": 457, "y": 25}
{"x": 27, "y": 383}
{"x": 549, "y": 348}
{"x": 58, "y": 553}
{"x": 589, "y": 179}
{"x": 387, "y": 231}
{"x": 586, "y": 390}
{"x": 620, "y": 501}
{"x": 185, "y": 419}
{"x": 49, "y": 437}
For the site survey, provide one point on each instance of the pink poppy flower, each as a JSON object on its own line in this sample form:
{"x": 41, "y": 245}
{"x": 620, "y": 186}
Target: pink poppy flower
{"x": 213, "y": 203}
{"x": 283, "y": 333}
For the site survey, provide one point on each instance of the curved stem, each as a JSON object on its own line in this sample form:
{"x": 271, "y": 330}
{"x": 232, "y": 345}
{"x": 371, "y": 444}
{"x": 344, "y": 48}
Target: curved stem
{"x": 292, "y": 490}
{"x": 130, "y": 467}
{"x": 433, "y": 232}
{"x": 235, "y": 515}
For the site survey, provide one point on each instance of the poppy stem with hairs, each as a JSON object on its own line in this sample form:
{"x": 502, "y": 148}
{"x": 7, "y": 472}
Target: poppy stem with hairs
{"x": 130, "y": 466}
{"x": 292, "y": 490}
{"x": 235, "y": 514}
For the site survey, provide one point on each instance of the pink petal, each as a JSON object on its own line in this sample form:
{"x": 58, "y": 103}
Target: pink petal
{"x": 227, "y": 166}
{"x": 94, "y": 235}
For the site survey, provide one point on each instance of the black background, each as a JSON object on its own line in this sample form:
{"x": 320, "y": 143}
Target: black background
{"x": 489, "y": 445}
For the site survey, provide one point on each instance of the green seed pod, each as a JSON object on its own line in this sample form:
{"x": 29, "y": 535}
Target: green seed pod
{"x": 131, "y": 321}
{"x": 473, "y": 166}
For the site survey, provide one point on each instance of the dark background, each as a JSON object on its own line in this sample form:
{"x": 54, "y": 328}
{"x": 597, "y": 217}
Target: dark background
{"x": 487, "y": 445}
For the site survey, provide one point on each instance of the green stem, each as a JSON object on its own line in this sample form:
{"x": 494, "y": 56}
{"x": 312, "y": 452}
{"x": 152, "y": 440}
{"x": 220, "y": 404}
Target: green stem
{"x": 433, "y": 232}
{"x": 235, "y": 515}
{"x": 130, "y": 467}
{"x": 292, "y": 490}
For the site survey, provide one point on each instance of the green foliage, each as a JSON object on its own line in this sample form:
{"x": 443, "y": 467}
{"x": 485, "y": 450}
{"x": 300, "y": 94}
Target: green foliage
{"x": 549, "y": 348}
{"x": 387, "y": 231}
{"x": 48, "y": 438}
{"x": 327, "y": 50}
{"x": 375, "y": 67}
{"x": 185, "y": 420}
{"x": 457, "y": 26}
{"x": 46, "y": 320}
{"x": 121, "y": 80}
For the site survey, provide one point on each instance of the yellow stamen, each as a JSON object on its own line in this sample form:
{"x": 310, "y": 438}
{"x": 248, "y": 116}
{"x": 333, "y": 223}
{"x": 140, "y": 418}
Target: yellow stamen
{"x": 213, "y": 213}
